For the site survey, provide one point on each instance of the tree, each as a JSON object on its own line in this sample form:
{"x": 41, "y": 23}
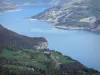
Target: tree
{"x": 1, "y": 72}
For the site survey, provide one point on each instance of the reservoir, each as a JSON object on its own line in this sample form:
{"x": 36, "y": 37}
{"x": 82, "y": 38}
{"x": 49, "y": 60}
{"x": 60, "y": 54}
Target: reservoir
{"x": 80, "y": 45}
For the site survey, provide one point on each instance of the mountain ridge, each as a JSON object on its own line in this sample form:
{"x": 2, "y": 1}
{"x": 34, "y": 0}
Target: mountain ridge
{"x": 74, "y": 14}
{"x": 11, "y": 39}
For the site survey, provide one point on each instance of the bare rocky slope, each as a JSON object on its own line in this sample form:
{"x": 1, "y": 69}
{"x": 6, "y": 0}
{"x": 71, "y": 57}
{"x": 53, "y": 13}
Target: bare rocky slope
{"x": 74, "y": 14}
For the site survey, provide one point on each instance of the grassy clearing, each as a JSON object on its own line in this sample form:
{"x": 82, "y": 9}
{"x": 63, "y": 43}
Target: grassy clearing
{"x": 60, "y": 58}
{"x": 36, "y": 58}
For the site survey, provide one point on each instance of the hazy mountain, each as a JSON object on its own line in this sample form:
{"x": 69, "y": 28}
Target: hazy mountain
{"x": 12, "y": 40}
{"x": 7, "y": 6}
{"x": 45, "y": 2}
{"x": 74, "y": 14}
{"x": 11, "y": 5}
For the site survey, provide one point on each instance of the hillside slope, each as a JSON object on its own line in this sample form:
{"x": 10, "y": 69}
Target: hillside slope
{"x": 18, "y": 56}
{"x": 74, "y": 14}
{"x": 38, "y": 62}
{"x": 12, "y": 40}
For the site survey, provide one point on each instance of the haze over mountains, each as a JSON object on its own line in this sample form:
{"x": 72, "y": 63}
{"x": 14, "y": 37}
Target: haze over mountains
{"x": 74, "y": 14}
{"x": 6, "y": 6}
{"x": 11, "y": 5}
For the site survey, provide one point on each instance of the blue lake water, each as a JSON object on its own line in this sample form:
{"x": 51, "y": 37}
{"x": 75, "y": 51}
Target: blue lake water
{"x": 80, "y": 45}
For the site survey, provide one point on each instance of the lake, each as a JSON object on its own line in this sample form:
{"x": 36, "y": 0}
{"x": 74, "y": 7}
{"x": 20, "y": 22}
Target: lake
{"x": 80, "y": 45}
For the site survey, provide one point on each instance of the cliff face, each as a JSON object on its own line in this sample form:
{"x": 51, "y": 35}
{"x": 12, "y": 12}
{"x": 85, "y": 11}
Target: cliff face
{"x": 9, "y": 39}
{"x": 42, "y": 45}
{"x": 75, "y": 14}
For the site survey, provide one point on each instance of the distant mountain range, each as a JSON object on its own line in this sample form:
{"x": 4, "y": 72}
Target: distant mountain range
{"x": 11, "y": 5}
{"x": 7, "y": 6}
{"x": 22, "y": 55}
{"x": 74, "y": 14}
{"x": 53, "y": 2}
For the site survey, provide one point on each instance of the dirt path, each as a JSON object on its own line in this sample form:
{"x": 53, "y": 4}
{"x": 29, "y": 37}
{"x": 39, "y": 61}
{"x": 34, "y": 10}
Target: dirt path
{"x": 57, "y": 63}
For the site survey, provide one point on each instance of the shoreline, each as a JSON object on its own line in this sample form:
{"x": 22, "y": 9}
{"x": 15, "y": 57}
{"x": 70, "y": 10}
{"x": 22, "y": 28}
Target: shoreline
{"x": 69, "y": 27}
{"x": 13, "y": 10}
